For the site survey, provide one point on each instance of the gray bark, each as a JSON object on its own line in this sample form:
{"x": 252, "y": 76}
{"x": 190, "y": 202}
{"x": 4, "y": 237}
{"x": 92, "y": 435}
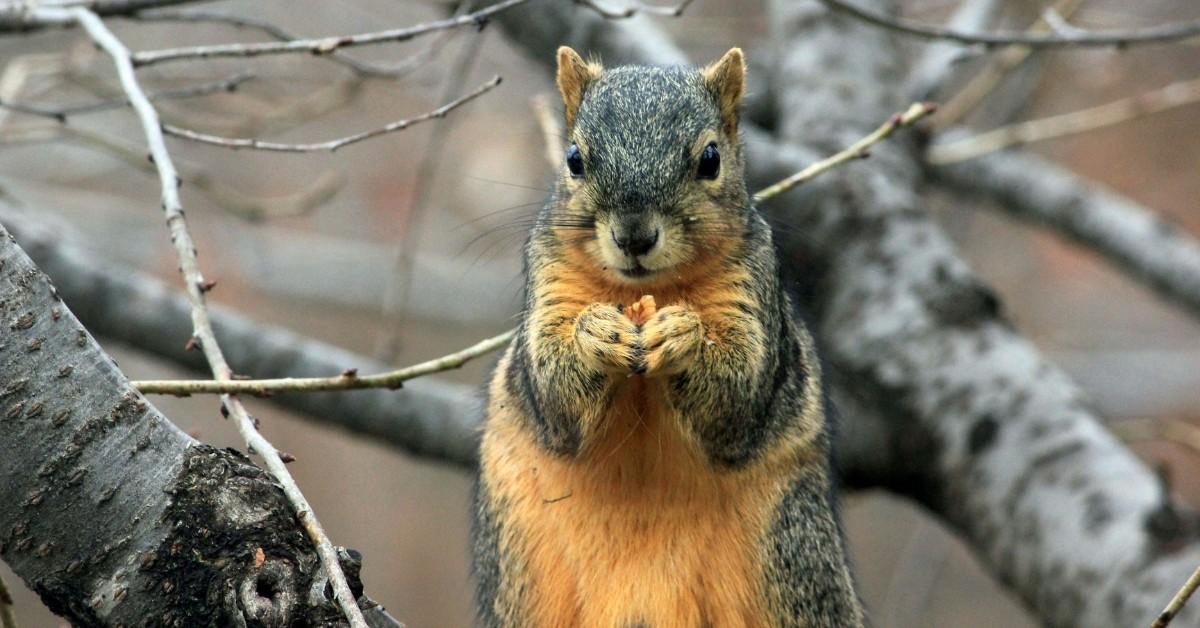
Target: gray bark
{"x": 1136, "y": 240}
{"x": 985, "y": 432}
{"x": 113, "y": 515}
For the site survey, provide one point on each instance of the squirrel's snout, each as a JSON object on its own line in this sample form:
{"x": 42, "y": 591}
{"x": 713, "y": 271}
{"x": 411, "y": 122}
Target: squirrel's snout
{"x": 635, "y": 243}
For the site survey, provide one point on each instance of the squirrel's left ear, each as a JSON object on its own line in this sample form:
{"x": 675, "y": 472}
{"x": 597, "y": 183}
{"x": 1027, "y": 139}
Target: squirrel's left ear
{"x": 726, "y": 78}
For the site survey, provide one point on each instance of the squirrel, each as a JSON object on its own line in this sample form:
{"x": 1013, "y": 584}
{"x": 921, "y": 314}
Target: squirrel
{"x": 656, "y": 447}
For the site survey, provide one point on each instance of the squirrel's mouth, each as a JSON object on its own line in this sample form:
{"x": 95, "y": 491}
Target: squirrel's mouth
{"x": 637, "y": 271}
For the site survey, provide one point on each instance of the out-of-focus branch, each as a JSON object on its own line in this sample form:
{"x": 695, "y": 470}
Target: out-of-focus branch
{"x": 246, "y": 206}
{"x": 937, "y": 60}
{"x": 361, "y": 68}
{"x": 858, "y": 150}
{"x": 348, "y": 380}
{"x": 323, "y": 45}
{"x": 1134, "y": 238}
{"x": 983, "y": 82}
{"x": 196, "y": 286}
{"x": 633, "y": 7}
{"x": 427, "y": 418}
{"x": 21, "y": 15}
{"x": 330, "y": 145}
{"x": 1079, "y": 37}
{"x": 1162, "y": 99}
{"x": 552, "y": 131}
{"x": 61, "y": 113}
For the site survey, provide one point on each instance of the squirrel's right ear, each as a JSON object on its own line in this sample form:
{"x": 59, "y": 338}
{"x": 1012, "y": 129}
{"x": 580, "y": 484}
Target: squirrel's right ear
{"x": 574, "y": 75}
{"x": 726, "y": 79}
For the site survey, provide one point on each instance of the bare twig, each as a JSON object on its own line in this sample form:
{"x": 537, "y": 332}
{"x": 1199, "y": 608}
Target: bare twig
{"x": 936, "y": 63}
{"x": 1177, "y": 602}
{"x": 1158, "y": 34}
{"x": 196, "y": 287}
{"x": 360, "y": 68}
{"x": 348, "y": 380}
{"x": 858, "y": 150}
{"x": 979, "y": 86}
{"x": 62, "y": 113}
{"x": 1169, "y": 97}
{"x": 331, "y": 145}
{"x": 7, "y": 618}
{"x": 323, "y": 45}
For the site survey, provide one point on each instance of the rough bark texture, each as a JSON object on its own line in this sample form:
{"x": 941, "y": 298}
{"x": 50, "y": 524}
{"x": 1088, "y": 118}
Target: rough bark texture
{"x": 1136, "y": 240}
{"x": 111, "y": 514}
{"x": 986, "y": 433}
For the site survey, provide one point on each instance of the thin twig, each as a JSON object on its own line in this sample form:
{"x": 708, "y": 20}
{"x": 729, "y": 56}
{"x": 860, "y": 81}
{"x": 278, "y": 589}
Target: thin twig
{"x": 196, "y": 287}
{"x": 361, "y": 68}
{"x": 62, "y": 113}
{"x": 1108, "y": 114}
{"x": 348, "y": 380}
{"x": 1177, "y": 602}
{"x": 858, "y": 150}
{"x": 982, "y": 83}
{"x": 323, "y": 45}
{"x": 1157, "y": 34}
{"x": 7, "y": 618}
{"x": 331, "y": 145}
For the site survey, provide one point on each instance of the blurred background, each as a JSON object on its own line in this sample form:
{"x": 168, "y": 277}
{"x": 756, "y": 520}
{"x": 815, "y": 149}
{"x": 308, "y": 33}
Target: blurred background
{"x": 406, "y": 247}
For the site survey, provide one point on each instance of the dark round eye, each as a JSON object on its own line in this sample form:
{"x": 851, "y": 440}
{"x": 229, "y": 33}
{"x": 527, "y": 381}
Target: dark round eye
{"x": 710, "y": 162}
{"x": 574, "y": 161}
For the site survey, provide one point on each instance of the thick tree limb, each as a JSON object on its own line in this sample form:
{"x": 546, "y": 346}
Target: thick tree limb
{"x": 1135, "y": 239}
{"x": 985, "y": 432}
{"x": 196, "y": 287}
{"x": 105, "y": 499}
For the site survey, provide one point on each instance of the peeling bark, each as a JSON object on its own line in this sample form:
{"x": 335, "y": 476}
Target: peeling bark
{"x": 114, "y": 516}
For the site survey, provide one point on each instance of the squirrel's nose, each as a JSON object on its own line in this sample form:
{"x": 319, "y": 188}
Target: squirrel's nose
{"x": 636, "y": 243}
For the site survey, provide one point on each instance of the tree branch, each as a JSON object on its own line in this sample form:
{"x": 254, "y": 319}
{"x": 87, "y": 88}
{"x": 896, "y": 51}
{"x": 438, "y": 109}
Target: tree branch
{"x": 196, "y": 286}
{"x": 980, "y": 428}
{"x": 22, "y": 15}
{"x": 61, "y": 113}
{"x": 330, "y": 145}
{"x": 1135, "y": 239}
{"x": 106, "y": 500}
{"x": 427, "y": 418}
{"x": 323, "y": 45}
{"x": 1123, "y": 110}
{"x": 1078, "y": 37}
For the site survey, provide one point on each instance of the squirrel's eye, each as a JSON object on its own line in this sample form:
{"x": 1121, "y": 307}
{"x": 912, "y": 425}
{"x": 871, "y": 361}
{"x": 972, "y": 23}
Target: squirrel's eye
{"x": 574, "y": 161}
{"x": 710, "y": 163}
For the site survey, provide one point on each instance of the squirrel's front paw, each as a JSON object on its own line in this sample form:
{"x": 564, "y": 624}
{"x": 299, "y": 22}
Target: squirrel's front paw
{"x": 672, "y": 337}
{"x": 607, "y": 340}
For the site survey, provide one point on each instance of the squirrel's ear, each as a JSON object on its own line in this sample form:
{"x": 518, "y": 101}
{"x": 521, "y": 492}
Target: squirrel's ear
{"x": 574, "y": 75}
{"x": 726, "y": 78}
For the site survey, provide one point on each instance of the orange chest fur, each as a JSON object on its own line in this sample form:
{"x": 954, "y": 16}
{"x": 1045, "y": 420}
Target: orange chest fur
{"x": 638, "y": 528}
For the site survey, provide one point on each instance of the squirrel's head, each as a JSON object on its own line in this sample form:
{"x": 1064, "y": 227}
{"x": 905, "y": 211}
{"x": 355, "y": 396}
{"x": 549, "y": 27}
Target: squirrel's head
{"x": 652, "y": 172}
